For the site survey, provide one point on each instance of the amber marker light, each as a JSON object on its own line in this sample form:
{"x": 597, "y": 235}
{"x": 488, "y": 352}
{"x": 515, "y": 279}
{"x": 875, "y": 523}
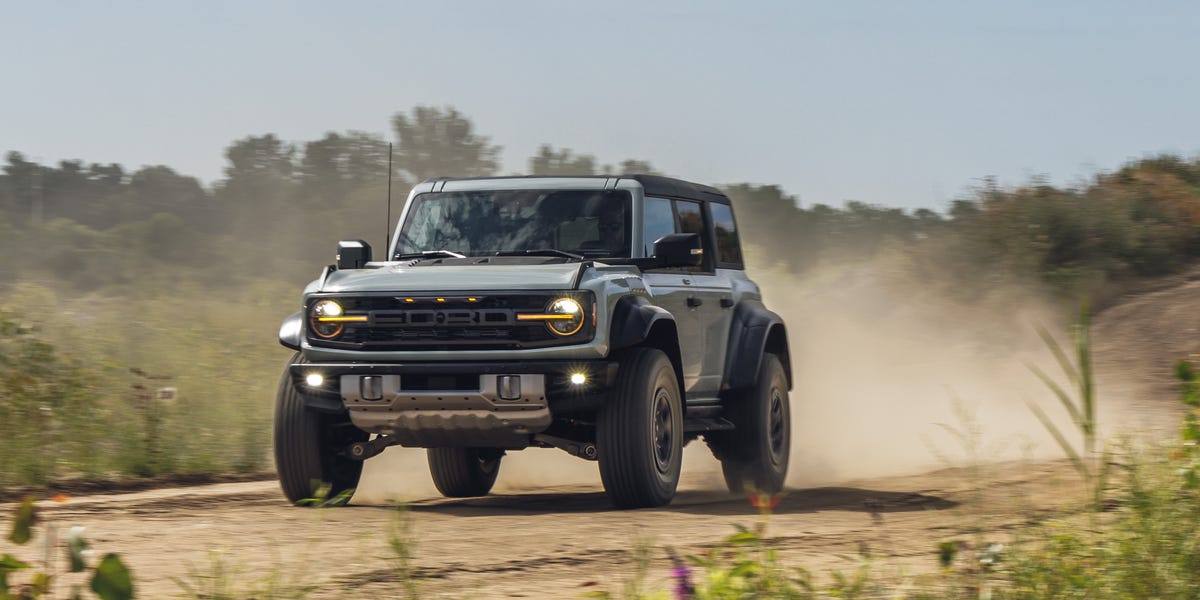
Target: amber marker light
{"x": 350, "y": 319}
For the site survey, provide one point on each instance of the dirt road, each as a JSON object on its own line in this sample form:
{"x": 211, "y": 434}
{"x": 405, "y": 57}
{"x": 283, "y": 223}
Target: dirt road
{"x": 557, "y": 542}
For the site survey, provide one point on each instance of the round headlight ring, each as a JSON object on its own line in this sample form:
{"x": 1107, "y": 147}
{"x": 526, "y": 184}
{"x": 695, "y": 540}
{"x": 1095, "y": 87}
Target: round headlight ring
{"x": 326, "y": 308}
{"x": 561, "y": 326}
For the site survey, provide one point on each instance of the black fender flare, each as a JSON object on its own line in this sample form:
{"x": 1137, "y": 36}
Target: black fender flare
{"x": 754, "y": 331}
{"x": 635, "y": 321}
{"x": 289, "y": 332}
{"x": 633, "y": 318}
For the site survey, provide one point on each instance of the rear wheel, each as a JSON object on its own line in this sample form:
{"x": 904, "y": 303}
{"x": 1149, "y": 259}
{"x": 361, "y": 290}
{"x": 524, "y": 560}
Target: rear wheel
{"x": 464, "y": 472}
{"x": 755, "y": 453}
{"x": 309, "y": 446}
{"x": 639, "y": 432}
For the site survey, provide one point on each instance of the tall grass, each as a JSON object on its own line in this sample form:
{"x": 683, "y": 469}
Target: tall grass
{"x": 1081, "y": 408}
{"x": 81, "y": 390}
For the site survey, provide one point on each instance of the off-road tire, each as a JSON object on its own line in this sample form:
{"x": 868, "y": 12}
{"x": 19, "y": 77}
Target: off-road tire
{"x": 639, "y": 432}
{"x": 309, "y": 445}
{"x": 464, "y": 472}
{"x": 755, "y": 453}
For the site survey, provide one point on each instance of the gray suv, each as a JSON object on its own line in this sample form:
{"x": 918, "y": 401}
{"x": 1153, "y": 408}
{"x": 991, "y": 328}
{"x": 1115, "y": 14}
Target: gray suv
{"x": 606, "y": 316}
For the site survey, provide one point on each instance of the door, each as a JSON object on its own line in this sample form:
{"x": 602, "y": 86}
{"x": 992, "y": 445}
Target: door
{"x": 673, "y": 290}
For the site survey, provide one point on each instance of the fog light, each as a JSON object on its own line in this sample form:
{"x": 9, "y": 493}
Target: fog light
{"x": 578, "y": 378}
{"x": 314, "y": 379}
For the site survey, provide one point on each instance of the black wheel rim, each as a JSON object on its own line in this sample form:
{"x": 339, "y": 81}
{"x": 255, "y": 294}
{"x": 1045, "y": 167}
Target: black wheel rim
{"x": 777, "y": 424}
{"x": 664, "y": 430}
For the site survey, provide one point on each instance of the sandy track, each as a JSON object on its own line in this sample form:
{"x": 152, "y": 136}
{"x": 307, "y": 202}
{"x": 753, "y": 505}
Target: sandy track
{"x": 556, "y": 542}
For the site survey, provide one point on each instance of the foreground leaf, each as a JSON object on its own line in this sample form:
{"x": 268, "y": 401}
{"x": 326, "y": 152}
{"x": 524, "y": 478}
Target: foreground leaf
{"x": 10, "y": 563}
{"x": 112, "y": 580}
{"x": 26, "y": 518}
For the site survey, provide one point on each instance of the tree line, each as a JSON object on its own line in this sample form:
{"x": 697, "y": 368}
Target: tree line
{"x": 281, "y": 205}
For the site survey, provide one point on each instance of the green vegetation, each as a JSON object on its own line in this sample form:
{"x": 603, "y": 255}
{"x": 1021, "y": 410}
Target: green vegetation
{"x": 20, "y": 580}
{"x": 221, "y": 578}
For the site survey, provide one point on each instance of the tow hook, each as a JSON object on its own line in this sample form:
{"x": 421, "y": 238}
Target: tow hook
{"x": 367, "y": 449}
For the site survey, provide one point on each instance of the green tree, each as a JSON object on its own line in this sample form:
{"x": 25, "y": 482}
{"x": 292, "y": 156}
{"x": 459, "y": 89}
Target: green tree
{"x": 631, "y": 166}
{"x": 339, "y": 163}
{"x": 21, "y": 178}
{"x": 432, "y": 142}
{"x": 549, "y": 161}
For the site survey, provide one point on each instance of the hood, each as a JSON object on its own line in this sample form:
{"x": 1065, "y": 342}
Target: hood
{"x": 437, "y": 278}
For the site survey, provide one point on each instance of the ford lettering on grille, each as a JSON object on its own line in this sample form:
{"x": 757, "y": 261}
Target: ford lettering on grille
{"x": 433, "y": 318}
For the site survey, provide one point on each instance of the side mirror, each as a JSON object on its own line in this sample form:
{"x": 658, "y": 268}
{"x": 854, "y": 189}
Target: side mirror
{"x": 353, "y": 254}
{"x": 679, "y": 250}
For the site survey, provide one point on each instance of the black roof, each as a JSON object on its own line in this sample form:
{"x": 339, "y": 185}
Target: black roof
{"x": 655, "y": 185}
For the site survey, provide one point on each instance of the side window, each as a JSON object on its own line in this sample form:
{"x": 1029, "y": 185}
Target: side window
{"x": 691, "y": 220}
{"x": 658, "y": 220}
{"x": 729, "y": 252}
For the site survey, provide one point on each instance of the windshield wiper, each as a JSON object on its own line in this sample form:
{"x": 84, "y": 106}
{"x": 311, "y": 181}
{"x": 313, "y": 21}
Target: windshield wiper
{"x": 429, "y": 254}
{"x": 540, "y": 252}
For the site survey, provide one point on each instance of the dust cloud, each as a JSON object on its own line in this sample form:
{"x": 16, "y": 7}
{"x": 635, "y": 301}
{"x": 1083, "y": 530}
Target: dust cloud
{"x": 885, "y": 363}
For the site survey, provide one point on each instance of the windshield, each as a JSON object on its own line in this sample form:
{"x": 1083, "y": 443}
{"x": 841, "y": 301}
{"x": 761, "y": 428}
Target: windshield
{"x": 591, "y": 223}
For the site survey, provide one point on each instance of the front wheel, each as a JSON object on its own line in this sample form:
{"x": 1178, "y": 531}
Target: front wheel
{"x": 309, "y": 446}
{"x": 755, "y": 453}
{"x": 639, "y": 432}
{"x": 464, "y": 472}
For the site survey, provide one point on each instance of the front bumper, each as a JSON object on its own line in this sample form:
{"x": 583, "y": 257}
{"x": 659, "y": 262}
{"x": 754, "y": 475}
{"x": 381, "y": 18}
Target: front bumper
{"x": 469, "y": 404}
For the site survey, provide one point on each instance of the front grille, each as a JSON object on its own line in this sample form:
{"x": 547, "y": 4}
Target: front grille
{"x": 426, "y": 322}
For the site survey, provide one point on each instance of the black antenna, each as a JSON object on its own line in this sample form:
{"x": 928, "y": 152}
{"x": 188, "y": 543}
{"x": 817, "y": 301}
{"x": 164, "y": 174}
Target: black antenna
{"x": 387, "y": 225}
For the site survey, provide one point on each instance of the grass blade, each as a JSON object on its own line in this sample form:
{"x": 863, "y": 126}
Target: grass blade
{"x": 1059, "y": 355}
{"x": 1062, "y": 441}
{"x": 1076, "y": 416}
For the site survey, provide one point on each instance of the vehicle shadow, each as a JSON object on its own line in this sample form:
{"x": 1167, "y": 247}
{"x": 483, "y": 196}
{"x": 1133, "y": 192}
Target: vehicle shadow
{"x": 716, "y": 503}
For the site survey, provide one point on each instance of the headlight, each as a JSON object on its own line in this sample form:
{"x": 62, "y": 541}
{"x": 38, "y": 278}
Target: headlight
{"x": 326, "y": 319}
{"x": 563, "y": 316}
{"x": 569, "y": 308}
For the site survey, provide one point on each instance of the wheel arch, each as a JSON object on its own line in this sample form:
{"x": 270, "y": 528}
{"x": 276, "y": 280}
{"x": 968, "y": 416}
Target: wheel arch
{"x": 637, "y": 322}
{"x": 755, "y": 330}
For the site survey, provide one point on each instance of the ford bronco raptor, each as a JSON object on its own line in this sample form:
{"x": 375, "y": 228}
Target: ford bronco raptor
{"x": 606, "y": 316}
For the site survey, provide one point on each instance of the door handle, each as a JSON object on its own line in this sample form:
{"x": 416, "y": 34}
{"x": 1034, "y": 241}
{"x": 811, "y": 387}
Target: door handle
{"x": 693, "y": 301}
{"x": 726, "y": 302}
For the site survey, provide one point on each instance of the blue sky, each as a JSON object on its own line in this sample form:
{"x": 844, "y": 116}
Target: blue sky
{"x": 901, "y": 104}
